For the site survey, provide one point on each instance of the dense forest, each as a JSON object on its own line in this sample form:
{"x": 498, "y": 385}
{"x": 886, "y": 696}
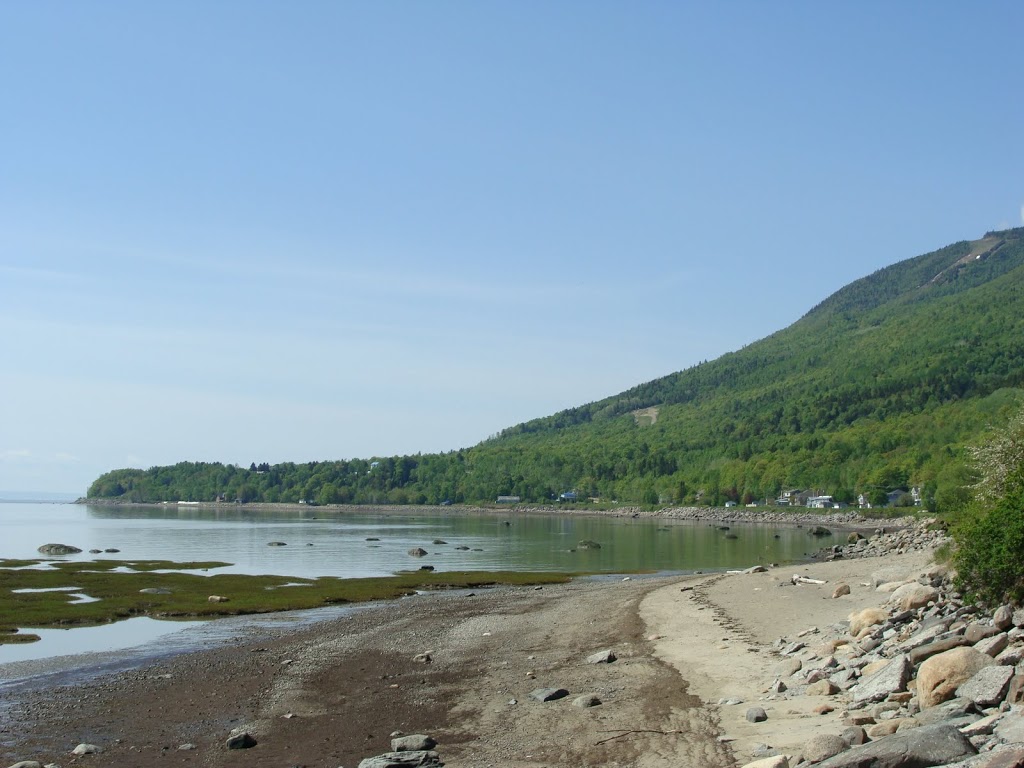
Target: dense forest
{"x": 880, "y": 387}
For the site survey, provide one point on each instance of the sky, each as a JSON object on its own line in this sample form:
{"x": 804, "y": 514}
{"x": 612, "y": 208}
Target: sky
{"x": 265, "y": 231}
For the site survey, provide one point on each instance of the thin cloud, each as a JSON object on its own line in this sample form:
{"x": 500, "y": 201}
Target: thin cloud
{"x": 15, "y": 454}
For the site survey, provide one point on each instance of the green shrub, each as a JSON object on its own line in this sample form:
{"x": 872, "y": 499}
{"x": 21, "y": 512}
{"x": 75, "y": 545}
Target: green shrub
{"x": 989, "y": 558}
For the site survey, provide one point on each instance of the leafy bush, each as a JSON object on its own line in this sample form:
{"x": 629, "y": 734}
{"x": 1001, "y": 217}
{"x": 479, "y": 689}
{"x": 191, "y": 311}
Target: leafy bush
{"x": 990, "y": 546}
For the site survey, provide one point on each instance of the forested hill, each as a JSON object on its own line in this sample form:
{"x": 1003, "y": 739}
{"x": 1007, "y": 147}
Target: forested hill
{"x": 877, "y": 388}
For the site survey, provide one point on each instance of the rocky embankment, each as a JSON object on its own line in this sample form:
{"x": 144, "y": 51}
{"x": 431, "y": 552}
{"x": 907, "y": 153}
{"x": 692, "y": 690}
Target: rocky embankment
{"x": 849, "y": 518}
{"x": 925, "y": 679}
{"x": 921, "y": 537}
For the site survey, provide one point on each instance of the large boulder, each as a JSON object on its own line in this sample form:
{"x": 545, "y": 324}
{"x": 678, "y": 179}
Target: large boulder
{"x": 916, "y": 748}
{"x": 940, "y": 676}
{"x": 913, "y": 595}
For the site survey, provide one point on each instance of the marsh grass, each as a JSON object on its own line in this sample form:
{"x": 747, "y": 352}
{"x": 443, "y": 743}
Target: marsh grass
{"x": 119, "y": 597}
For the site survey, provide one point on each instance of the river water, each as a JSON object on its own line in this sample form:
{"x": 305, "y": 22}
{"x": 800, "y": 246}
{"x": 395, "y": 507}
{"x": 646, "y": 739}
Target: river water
{"x": 321, "y": 542}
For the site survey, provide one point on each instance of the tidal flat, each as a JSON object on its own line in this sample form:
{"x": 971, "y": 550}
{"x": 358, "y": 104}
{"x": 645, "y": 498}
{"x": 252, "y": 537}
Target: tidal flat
{"x": 42, "y": 593}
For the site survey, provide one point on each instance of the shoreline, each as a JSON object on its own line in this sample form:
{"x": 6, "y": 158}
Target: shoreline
{"x": 849, "y": 518}
{"x": 331, "y": 694}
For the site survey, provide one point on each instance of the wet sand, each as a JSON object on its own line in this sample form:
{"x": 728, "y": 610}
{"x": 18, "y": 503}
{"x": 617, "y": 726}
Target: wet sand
{"x": 331, "y": 694}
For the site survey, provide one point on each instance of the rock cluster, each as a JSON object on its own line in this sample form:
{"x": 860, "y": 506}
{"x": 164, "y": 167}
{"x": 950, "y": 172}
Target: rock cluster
{"x": 923, "y": 536}
{"x": 928, "y": 680}
{"x": 406, "y": 752}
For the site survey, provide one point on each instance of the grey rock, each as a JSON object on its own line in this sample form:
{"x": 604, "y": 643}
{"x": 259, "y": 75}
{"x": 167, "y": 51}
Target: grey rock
{"x": 586, "y": 700}
{"x": 243, "y": 740}
{"x": 977, "y": 632}
{"x": 764, "y": 750}
{"x": 58, "y": 549}
{"x": 854, "y": 736}
{"x": 919, "y": 654}
{"x": 418, "y": 552}
{"x": 988, "y": 686}
{"x": 844, "y": 679}
{"x": 588, "y": 544}
{"x": 86, "y": 749}
{"x": 1008, "y": 756}
{"x": 602, "y": 657}
{"x": 427, "y": 759}
{"x": 154, "y": 591}
{"x": 823, "y": 746}
{"x": 915, "y": 748}
{"x": 756, "y": 715}
{"x": 994, "y": 645}
{"x": 414, "y": 743}
{"x": 1011, "y": 728}
{"x": 548, "y": 694}
{"x": 816, "y": 676}
{"x": 892, "y": 678}
{"x": 955, "y": 709}
{"x": 982, "y": 727}
{"x": 1015, "y": 693}
{"x": 1003, "y": 617}
{"x": 27, "y": 764}
{"x": 1012, "y": 656}
{"x": 277, "y": 544}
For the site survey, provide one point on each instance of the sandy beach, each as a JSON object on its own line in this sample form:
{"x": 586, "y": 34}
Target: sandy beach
{"x": 333, "y": 694}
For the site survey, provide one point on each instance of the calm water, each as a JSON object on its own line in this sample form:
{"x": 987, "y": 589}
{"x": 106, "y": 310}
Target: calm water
{"x": 325, "y": 543}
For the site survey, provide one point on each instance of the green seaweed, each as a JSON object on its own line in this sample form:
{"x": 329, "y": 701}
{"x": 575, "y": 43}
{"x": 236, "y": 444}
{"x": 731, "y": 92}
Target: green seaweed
{"x": 119, "y": 597}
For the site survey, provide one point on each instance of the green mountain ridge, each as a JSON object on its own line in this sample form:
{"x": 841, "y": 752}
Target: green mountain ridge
{"x": 878, "y": 387}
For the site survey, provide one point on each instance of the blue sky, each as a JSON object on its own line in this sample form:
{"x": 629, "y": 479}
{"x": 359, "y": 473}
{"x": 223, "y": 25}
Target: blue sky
{"x": 265, "y": 231}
